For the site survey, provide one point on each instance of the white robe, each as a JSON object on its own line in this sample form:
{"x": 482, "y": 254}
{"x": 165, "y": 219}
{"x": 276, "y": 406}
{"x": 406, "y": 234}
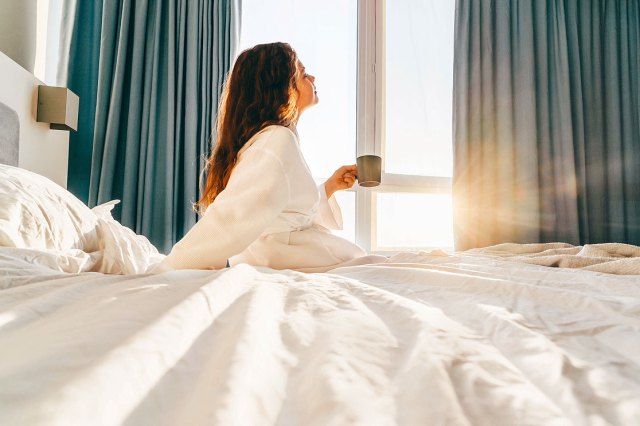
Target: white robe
{"x": 271, "y": 213}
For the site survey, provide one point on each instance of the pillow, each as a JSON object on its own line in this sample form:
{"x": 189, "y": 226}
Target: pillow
{"x": 17, "y": 262}
{"x": 122, "y": 251}
{"x": 37, "y": 213}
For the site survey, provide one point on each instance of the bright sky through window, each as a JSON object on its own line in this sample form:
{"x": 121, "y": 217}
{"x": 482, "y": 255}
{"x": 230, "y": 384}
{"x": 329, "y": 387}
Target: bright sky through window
{"x": 419, "y": 84}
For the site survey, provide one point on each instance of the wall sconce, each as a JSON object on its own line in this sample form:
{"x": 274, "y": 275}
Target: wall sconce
{"x": 58, "y": 106}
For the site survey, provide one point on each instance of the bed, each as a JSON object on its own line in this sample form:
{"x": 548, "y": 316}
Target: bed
{"x": 506, "y": 335}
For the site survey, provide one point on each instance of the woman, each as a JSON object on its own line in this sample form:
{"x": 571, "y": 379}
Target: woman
{"x": 261, "y": 205}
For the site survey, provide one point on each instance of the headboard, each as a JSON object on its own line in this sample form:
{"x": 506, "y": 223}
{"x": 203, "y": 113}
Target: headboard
{"x": 9, "y": 135}
{"x": 34, "y": 146}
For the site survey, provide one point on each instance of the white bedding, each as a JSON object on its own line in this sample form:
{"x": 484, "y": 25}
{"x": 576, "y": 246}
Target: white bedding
{"x": 424, "y": 339}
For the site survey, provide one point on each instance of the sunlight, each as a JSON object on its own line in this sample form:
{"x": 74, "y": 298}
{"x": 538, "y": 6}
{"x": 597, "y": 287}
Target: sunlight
{"x": 6, "y": 318}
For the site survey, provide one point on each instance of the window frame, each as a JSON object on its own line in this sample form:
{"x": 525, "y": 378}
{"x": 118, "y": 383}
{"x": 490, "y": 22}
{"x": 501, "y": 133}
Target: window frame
{"x": 370, "y": 129}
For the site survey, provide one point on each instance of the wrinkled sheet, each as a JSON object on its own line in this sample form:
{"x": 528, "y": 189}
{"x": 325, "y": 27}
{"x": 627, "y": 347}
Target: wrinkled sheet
{"x": 420, "y": 339}
{"x": 612, "y": 258}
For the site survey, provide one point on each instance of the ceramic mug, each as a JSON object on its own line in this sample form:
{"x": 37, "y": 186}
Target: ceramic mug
{"x": 369, "y": 170}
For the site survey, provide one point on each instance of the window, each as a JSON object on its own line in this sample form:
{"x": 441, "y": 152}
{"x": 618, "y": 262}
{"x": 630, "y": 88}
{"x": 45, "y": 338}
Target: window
{"x": 413, "y": 129}
{"x": 384, "y": 77}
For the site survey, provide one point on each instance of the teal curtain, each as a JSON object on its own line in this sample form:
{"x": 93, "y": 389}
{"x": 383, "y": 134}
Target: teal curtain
{"x": 83, "y": 53}
{"x": 149, "y": 76}
{"x": 546, "y": 121}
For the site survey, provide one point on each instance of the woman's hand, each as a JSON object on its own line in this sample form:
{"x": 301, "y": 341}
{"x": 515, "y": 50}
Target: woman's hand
{"x": 343, "y": 178}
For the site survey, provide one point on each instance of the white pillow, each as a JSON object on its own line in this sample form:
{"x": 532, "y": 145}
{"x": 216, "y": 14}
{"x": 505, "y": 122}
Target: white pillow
{"x": 37, "y": 213}
{"x": 122, "y": 250}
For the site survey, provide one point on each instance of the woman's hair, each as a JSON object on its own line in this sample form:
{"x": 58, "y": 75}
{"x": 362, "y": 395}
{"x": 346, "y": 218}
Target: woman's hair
{"x": 259, "y": 91}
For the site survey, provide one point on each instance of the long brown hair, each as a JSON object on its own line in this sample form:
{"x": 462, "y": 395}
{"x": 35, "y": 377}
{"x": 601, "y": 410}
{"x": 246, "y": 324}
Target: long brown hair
{"x": 259, "y": 91}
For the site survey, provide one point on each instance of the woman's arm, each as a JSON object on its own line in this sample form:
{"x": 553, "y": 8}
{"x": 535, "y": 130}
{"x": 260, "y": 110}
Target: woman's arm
{"x": 329, "y": 213}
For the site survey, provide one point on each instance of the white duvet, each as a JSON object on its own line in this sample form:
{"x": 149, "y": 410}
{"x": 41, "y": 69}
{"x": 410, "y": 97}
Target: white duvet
{"x": 423, "y": 339}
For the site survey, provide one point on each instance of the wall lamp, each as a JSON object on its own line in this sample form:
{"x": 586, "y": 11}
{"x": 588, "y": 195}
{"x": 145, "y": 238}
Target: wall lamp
{"x": 58, "y": 106}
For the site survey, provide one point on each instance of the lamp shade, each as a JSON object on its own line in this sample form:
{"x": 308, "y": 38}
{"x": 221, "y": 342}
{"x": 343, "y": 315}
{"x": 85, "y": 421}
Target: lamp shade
{"x": 58, "y": 106}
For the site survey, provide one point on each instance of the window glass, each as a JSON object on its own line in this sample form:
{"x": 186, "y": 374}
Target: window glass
{"x": 414, "y": 220}
{"x": 347, "y": 202}
{"x": 418, "y": 87}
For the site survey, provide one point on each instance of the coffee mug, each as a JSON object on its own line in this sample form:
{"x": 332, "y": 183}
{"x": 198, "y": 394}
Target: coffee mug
{"x": 369, "y": 170}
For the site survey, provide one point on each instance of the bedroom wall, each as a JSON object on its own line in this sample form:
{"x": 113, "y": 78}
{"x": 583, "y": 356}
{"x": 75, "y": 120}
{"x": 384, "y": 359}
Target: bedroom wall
{"x": 23, "y": 34}
{"x": 42, "y": 150}
{"x": 18, "y": 31}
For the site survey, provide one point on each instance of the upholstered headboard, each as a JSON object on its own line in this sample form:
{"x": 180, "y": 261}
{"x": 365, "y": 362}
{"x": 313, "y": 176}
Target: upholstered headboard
{"x": 9, "y": 135}
{"x": 32, "y": 145}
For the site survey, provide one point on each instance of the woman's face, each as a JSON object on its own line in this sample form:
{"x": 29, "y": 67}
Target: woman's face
{"x": 307, "y": 95}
